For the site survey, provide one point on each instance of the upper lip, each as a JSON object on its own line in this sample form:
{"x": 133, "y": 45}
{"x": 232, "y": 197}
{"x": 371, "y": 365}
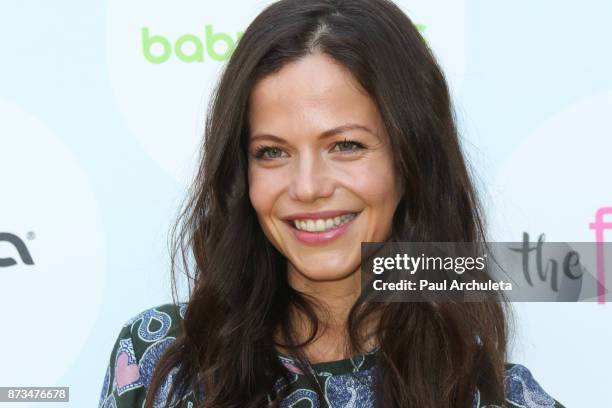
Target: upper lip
{"x": 317, "y": 215}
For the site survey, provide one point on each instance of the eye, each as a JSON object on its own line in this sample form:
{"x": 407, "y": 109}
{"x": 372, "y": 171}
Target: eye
{"x": 268, "y": 153}
{"x": 348, "y": 146}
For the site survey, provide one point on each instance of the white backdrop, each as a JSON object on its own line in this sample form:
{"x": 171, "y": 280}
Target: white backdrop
{"x": 101, "y": 112}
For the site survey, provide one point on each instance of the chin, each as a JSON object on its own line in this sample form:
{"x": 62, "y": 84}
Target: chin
{"x": 322, "y": 274}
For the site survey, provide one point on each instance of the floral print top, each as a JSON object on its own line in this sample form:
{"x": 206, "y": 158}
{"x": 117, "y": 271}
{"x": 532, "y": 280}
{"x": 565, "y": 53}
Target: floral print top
{"x": 345, "y": 383}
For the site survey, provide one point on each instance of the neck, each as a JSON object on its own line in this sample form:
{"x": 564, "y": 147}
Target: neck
{"x": 336, "y": 298}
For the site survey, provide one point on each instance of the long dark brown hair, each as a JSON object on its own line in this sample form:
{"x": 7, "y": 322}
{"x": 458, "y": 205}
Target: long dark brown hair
{"x": 431, "y": 355}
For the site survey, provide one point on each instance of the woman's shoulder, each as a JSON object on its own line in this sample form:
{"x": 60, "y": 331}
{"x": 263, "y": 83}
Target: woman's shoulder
{"x": 157, "y": 321}
{"x": 138, "y": 347}
{"x": 523, "y": 390}
{"x": 153, "y": 328}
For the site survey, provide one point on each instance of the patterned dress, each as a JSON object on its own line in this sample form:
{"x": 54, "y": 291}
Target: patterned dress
{"x": 345, "y": 383}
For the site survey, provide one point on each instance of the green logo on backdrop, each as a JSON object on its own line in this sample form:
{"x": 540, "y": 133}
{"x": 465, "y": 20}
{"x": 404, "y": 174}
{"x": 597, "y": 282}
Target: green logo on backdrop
{"x": 187, "y": 47}
{"x": 191, "y": 48}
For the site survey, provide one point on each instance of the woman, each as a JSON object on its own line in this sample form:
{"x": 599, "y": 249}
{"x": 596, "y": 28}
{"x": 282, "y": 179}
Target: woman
{"x": 331, "y": 126}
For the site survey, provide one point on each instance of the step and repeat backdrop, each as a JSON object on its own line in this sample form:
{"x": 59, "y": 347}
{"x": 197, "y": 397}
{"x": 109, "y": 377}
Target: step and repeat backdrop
{"x": 102, "y": 105}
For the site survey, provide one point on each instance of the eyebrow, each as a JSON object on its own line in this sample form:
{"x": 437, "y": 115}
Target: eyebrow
{"x": 326, "y": 134}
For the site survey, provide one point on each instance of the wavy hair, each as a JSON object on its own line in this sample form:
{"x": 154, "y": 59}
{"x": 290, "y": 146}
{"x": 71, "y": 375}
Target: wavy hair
{"x": 430, "y": 355}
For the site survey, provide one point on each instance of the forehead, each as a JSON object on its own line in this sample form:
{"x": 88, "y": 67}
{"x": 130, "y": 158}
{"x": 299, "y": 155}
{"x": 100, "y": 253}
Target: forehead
{"x": 315, "y": 90}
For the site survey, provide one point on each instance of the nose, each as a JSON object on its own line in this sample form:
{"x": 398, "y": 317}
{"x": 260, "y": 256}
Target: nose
{"x": 310, "y": 179}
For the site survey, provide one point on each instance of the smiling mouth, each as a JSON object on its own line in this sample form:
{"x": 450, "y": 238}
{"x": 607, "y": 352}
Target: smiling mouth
{"x": 322, "y": 224}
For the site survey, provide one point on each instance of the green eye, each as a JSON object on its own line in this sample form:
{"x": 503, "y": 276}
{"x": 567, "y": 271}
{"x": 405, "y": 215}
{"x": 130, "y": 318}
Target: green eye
{"x": 348, "y": 146}
{"x": 268, "y": 153}
{"x": 273, "y": 153}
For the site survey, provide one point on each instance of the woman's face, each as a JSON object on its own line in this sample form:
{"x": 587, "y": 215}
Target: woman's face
{"x": 321, "y": 173}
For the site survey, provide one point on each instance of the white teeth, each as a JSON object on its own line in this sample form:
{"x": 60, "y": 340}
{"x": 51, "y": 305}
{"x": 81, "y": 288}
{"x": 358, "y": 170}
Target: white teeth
{"x": 321, "y": 225}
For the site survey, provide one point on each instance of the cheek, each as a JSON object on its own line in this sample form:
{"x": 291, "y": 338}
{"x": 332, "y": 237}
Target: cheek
{"x": 376, "y": 186}
{"x": 375, "y": 182}
{"x": 263, "y": 188}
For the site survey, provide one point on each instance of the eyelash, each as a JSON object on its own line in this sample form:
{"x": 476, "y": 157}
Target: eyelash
{"x": 261, "y": 150}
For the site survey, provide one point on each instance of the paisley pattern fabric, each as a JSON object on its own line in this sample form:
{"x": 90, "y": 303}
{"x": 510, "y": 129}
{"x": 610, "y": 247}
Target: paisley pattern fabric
{"x": 347, "y": 383}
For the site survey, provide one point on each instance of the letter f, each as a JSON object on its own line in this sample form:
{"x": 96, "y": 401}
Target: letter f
{"x": 600, "y": 226}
